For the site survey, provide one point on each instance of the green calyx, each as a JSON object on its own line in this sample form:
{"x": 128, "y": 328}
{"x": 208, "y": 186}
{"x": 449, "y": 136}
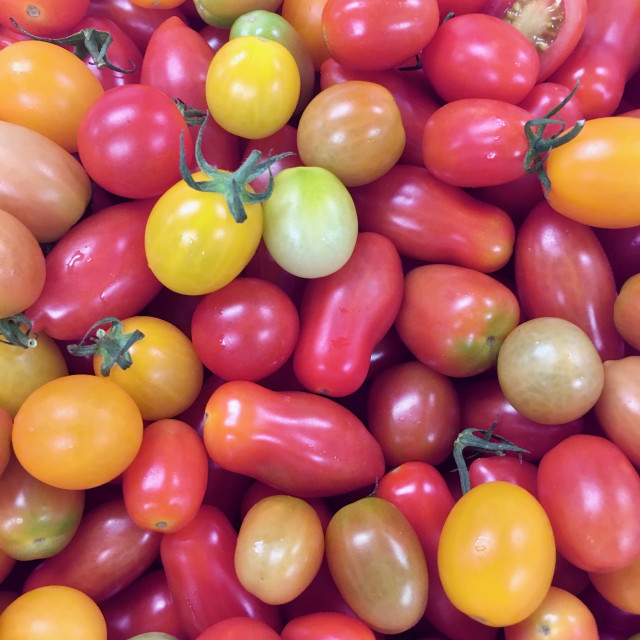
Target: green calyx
{"x": 16, "y": 331}
{"x": 539, "y": 146}
{"x": 192, "y": 116}
{"x": 112, "y": 345}
{"x": 86, "y": 43}
{"x": 233, "y": 186}
{"x": 484, "y": 441}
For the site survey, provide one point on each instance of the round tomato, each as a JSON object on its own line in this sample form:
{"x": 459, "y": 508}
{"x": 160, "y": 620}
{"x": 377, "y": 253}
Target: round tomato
{"x": 223, "y": 13}
{"x": 237, "y": 627}
{"x": 497, "y": 553}
{"x": 46, "y": 18}
{"x": 323, "y": 624}
{"x": 306, "y": 18}
{"x": 252, "y": 86}
{"x": 158, "y": 4}
{"x": 626, "y": 309}
{"x": 620, "y": 587}
{"x": 77, "y": 431}
{"x": 6, "y": 426}
{"x": 47, "y": 89}
{"x": 53, "y": 612}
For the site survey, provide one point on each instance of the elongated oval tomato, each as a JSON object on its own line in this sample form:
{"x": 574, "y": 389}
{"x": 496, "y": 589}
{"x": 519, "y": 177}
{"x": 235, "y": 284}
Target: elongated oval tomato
{"x": 298, "y": 442}
{"x": 593, "y": 176}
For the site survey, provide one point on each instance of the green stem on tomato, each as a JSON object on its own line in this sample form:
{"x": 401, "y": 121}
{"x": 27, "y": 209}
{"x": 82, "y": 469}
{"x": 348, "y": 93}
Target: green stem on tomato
{"x": 16, "y": 331}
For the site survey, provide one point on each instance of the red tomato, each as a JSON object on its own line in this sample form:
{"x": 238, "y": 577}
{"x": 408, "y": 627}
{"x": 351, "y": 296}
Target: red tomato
{"x": 165, "y": 484}
{"x": 476, "y": 55}
{"x": 591, "y": 493}
{"x": 354, "y": 31}
{"x": 468, "y": 313}
{"x": 301, "y": 443}
{"x": 239, "y": 627}
{"x": 506, "y": 468}
{"x": 324, "y": 625}
{"x": 546, "y": 96}
{"x": 246, "y": 330}
{"x": 47, "y": 18}
{"x": 343, "y": 316}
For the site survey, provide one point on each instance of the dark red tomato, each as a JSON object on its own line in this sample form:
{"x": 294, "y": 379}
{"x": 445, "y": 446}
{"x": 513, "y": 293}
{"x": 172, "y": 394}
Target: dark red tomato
{"x": 214, "y": 36}
{"x": 414, "y": 413}
{"x": 432, "y": 221}
{"x": 107, "y": 553}
{"x": 239, "y": 627}
{"x": 506, "y": 468}
{"x": 324, "y": 625}
{"x": 144, "y": 606}
{"x": 476, "y": 55}
{"x": 345, "y": 314}
{"x": 122, "y": 53}
{"x": 164, "y": 486}
{"x": 220, "y": 148}
{"x": 591, "y": 493}
{"x": 553, "y": 26}
{"x": 378, "y": 35}
{"x": 98, "y": 269}
{"x": 476, "y": 142}
{"x": 562, "y": 270}
{"x": 414, "y": 102}
{"x": 458, "y": 7}
{"x": 618, "y": 623}
{"x": 129, "y": 141}
{"x": 198, "y": 561}
{"x": 622, "y": 247}
{"x": 468, "y": 314}
{"x": 483, "y": 403}
{"x": 176, "y": 61}
{"x": 421, "y": 493}
{"x": 8, "y": 36}
{"x": 605, "y": 57}
{"x": 138, "y": 21}
{"x": 246, "y": 330}
{"x": 299, "y": 442}
{"x": 568, "y": 577}
{"x": 548, "y": 95}
{"x": 46, "y": 18}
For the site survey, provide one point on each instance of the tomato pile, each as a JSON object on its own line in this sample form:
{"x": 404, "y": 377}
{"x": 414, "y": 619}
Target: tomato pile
{"x": 319, "y": 319}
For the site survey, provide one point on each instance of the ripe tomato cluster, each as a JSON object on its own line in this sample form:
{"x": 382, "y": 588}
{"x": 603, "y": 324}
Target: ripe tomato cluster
{"x": 319, "y": 319}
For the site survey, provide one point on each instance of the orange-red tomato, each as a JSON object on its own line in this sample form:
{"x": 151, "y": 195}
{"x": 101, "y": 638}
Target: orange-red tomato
{"x": 620, "y": 587}
{"x": 626, "y": 311}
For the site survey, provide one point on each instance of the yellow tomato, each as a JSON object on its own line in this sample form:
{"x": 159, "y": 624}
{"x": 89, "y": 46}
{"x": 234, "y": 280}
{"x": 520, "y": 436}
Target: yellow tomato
{"x": 52, "y": 613}
{"x": 46, "y": 88}
{"x": 497, "y": 554}
{"x": 77, "y": 432}
{"x": 252, "y": 86}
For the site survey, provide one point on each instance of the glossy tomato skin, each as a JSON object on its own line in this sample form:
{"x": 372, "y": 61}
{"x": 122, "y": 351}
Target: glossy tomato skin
{"x": 625, "y": 310}
{"x": 421, "y": 493}
{"x": 480, "y": 56}
{"x": 108, "y": 552}
{"x": 65, "y": 188}
{"x": 562, "y": 270}
{"x": 143, "y": 606}
{"x": 506, "y": 468}
{"x": 320, "y": 625}
{"x": 548, "y": 95}
{"x": 239, "y": 627}
{"x": 432, "y": 221}
{"x": 344, "y": 315}
{"x": 590, "y": 490}
{"x": 385, "y": 579}
{"x": 45, "y": 18}
{"x": 249, "y": 429}
{"x": 97, "y": 270}
{"x": 468, "y": 314}
{"x": 355, "y": 31}
{"x": 476, "y": 142}
{"x": 198, "y": 561}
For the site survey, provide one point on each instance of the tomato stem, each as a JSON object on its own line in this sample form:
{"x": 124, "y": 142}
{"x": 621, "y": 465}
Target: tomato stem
{"x": 112, "y": 346}
{"x": 192, "y": 116}
{"x": 86, "y": 43}
{"x": 16, "y": 331}
{"x": 488, "y": 443}
{"x": 233, "y": 186}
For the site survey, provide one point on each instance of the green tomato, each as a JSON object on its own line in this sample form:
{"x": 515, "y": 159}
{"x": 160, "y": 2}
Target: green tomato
{"x": 310, "y": 222}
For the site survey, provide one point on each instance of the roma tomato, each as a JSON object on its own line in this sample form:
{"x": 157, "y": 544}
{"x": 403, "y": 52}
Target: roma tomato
{"x": 432, "y": 221}
{"x": 77, "y": 431}
{"x": 298, "y": 442}
{"x": 378, "y": 564}
{"x": 345, "y": 314}
{"x": 476, "y": 55}
{"x": 354, "y": 129}
{"x": 562, "y": 360}
{"x": 469, "y": 314}
{"x": 280, "y": 548}
{"x": 64, "y": 186}
{"x": 497, "y": 554}
{"x": 46, "y": 18}
{"x": 97, "y": 270}
{"x": 625, "y": 310}
{"x": 591, "y": 493}
{"x": 354, "y": 31}
{"x": 108, "y": 552}
{"x": 46, "y": 89}
{"x": 165, "y": 484}
{"x": 54, "y": 611}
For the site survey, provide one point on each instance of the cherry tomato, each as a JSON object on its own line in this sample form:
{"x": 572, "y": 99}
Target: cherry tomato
{"x": 239, "y": 627}
{"x": 77, "y": 431}
{"x": 620, "y": 587}
{"x": 563, "y": 361}
{"x": 6, "y": 426}
{"x": 625, "y": 310}
{"x": 54, "y": 611}
{"x": 590, "y": 491}
{"x": 497, "y": 554}
{"x": 323, "y": 624}
{"x": 158, "y": 4}
{"x": 306, "y": 18}
{"x": 46, "y": 18}
{"x": 506, "y": 468}
{"x": 223, "y": 13}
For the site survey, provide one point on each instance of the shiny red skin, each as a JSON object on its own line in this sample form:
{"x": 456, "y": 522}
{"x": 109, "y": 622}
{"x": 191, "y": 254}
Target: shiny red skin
{"x": 505, "y": 468}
